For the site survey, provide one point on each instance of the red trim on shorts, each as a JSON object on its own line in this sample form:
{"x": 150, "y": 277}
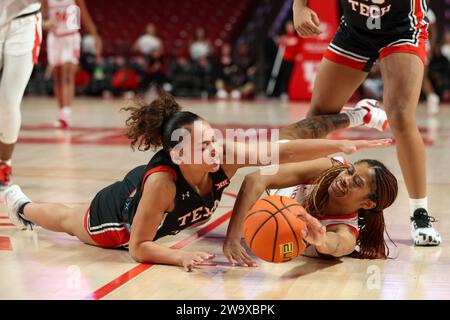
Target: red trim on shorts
{"x": 159, "y": 169}
{"x": 339, "y": 217}
{"x": 65, "y": 34}
{"x": 420, "y": 50}
{"x": 343, "y": 60}
{"x": 107, "y": 238}
{"x": 352, "y": 228}
{"x": 37, "y": 42}
{"x": 418, "y": 12}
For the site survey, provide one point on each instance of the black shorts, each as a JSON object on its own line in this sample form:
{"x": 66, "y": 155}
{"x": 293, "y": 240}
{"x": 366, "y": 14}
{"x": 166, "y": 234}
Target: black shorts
{"x": 105, "y": 221}
{"x": 360, "y": 50}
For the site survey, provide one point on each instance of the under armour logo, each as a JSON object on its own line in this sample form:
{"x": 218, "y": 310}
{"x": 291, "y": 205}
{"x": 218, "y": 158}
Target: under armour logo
{"x": 185, "y": 195}
{"x": 222, "y": 184}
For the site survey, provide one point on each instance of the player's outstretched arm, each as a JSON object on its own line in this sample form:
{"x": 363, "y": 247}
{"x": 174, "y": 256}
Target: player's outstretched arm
{"x": 268, "y": 153}
{"x": 251, "y": 190}
{"x": 317, "y": 127}
{"x": 157, "y": 198}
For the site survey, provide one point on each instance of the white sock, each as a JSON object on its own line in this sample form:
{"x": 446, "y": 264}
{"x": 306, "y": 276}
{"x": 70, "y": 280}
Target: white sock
{"x": 66, "y": 109}
{"x": 8, "y": 162}
{"x": 65, "y": 113}
{"x": 356, "y": 117}
{"x": 417, "y": 203}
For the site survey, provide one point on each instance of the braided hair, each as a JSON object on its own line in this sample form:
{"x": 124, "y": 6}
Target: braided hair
{"x": 371, "y": 222}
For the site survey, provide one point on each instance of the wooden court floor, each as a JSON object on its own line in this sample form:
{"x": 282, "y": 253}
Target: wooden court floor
{"x": 71, "y": 166}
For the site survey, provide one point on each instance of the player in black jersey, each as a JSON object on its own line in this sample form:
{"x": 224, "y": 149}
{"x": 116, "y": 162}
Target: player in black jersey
{"x": 172, "y": 192}
{"x": 395, "y": 33}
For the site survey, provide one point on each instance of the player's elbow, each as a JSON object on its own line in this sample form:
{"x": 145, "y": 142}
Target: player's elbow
{"x": 138, "y": 253}
{"x": 135, "y": 254}
{"x": 345, "y": 247}
{"x": 343, "y": 252}
{"x": 253, "y": 183}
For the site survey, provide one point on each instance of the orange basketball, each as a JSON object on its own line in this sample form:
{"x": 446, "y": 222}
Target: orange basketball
{"x": 272, "y": 231}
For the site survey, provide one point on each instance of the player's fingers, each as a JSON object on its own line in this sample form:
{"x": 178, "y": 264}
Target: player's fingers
{"x": 323, "y": 229}
{"x": 304, "y": 233}
{"x": 188, "y": 266}
{"x": 313, "y": 221}
{"x": 248, "y": 260}
{"x": 240, "y": 260}
{"x": 206, "y": 256}
{"x": 304, "y": 32}
{"x": 231, "y": 259}
{"x": 314, "y": 29}
{"x": 315, "y": 19}
{"x": 310, "y": 29}
{"x": 373, "y": 143}
{"x": 198, "y": 258}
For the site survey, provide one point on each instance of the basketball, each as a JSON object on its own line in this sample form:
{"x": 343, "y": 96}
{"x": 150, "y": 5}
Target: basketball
{"x": 272, "y": 231}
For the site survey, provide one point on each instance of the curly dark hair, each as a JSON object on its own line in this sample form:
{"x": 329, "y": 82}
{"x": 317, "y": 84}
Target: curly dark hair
{"x": 151, "y": 125}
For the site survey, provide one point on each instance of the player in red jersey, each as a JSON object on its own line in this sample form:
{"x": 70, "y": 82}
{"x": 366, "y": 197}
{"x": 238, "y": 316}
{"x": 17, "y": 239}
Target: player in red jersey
{"x": 61, "y": 19}
{"x": 20, "y": 40}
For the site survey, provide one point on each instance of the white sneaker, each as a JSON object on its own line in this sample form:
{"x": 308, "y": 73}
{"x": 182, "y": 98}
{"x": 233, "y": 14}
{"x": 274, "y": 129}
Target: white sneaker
{"x": 61, "y": 124}
{"x": 235, "y": 94}
{"x": 222, "y": 94}
{"x": 433, "y": 101}
{"x": 422, "y": 231}
{"x": 63, "y": 121}
{"x": 376, "y": 117}
{"x": 14, "y": 199}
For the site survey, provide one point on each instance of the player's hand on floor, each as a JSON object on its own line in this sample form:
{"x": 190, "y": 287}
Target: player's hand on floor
{"x": 190, "y": 259}
{"x": 237, "y": 254}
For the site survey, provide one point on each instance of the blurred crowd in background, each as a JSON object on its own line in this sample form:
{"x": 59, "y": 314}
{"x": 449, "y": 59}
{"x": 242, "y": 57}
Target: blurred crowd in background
{"x": 206, "y": 70}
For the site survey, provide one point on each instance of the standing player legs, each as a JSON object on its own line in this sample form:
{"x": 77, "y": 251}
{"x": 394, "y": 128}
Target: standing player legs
{"x": 14, "y": 78}
{"x": 402, "y": 75}
{"x": 433, "y": 99}
{"x": 57, "y": 85}
{"x": 68, "y": 84}
{"x": 333, "y": 87}
{"x": 64, "y": 91}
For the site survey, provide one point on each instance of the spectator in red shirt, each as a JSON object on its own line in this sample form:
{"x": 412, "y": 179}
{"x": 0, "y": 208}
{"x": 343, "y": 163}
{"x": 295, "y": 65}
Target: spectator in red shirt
{"x": 290, "y": 41}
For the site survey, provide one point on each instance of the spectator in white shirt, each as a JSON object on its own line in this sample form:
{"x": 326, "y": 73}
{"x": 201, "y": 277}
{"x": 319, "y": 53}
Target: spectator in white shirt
{"x": 200, "y": 47}
{"x": 148, "y": 43}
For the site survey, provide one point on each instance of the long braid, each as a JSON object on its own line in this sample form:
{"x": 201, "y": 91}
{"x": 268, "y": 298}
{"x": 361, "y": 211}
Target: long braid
{"x": 315, "y": 202}
{"x": 371, "y": 222}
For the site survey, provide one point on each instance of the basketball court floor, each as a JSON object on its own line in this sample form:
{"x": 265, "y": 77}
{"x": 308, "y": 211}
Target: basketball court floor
{"x": 71, "y": 166}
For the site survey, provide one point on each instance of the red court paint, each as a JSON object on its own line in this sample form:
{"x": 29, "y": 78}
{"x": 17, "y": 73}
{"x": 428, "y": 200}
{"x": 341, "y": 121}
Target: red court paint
{"x": 5, "y": 244}
{"x": 230, "y": 194}
{"x": 6, "y": 224}
{"x": 115, "y": 136}
{"x": 206, "y": 265}
{"x": 133, "y": 273}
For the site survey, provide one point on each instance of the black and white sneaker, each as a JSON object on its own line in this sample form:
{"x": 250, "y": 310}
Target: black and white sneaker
{"x": 422, "y": 231}
{"x": 15, "y": 199}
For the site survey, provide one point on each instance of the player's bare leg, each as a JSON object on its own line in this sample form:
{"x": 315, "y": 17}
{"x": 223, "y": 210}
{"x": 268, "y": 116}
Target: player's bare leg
{"x": 402, "y": 76}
